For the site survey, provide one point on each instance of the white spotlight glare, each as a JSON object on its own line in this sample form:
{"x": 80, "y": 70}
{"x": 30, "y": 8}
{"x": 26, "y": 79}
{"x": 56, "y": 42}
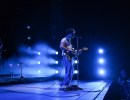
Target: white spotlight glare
{"x": 101, "y": 51}
{"x": 101, "y": 60}
{"x": 56, "y": 62}
{"x": 102, "y": 72}
{"x": 56, "y": 52}
{"x": 57, "y": 71}
{"x": 10, "y": 65}
{"x": 28, "y": 37}
{"x": 39, "y": 71}
{"x": 75, "y": 61}
{"x": 38, "y": 62}
{"x": 39, "y": 53}
{"x": 28, "y": 27}
{"x": 75, "y": 72}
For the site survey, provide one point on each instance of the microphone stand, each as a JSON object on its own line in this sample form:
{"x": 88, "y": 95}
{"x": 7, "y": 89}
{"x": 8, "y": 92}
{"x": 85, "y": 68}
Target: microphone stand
{"x": 21, "y": 79}
{"x": 77, "y": 39}
{"x": 78, "y": 53}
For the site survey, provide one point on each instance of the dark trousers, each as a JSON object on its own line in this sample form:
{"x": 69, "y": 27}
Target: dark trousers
{"x": 68, "y": 71}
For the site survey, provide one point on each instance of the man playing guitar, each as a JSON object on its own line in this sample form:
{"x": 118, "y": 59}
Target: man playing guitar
{"x": 68, "y": 52}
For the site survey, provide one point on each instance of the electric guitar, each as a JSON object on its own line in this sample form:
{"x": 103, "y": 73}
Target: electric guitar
{"x": 74, "y": 53}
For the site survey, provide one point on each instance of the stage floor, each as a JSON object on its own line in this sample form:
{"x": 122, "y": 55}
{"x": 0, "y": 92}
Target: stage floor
{"x": 92, "y": 90}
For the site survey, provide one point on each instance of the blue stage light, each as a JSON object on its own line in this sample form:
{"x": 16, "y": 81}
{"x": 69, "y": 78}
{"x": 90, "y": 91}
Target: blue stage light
{"x": 39, "y": 53}
{"x": 33, "y": 63}
{"x": 75, "y": 61}
{"x": 39, "y": 71}
{"x": 57, "y": 71}
{"x": 56, "y": 52}
{"x": 101, "y": 51}
{"x": 101, "y": 71}
{"x": 28, "y": 27}
{"x": 101, "y": 61}
{"x": 38, "y": 62}
{"x": 56, "y": 62}
{"x": 29, "y": 38}
{"x": 10, "y": 65}
{"x": 29, "y": 48}
{"x": 75, "y": 71}
{"x": 44, "y": 48}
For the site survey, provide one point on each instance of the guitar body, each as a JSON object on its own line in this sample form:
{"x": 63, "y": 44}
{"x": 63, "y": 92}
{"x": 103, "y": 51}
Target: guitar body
{"x": 75, "y": 53}
{"x": 69, "y": 55}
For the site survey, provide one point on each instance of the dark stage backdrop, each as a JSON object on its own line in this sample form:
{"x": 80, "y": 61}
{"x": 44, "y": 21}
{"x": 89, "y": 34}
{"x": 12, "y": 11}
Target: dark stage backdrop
{"x": 101, "y": 24}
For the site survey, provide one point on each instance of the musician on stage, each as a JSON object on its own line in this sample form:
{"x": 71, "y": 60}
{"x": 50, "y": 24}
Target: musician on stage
{"x": 66, "y": 47}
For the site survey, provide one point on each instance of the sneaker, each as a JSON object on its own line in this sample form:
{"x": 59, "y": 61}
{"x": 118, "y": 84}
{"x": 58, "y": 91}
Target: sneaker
{"x": 64, "y": 88}
{"x": 79, "y": 88}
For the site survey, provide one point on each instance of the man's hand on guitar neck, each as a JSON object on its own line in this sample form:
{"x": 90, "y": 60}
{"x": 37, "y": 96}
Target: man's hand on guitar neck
{"x": 73, "y": 51}
{"x": 80, "y": 50}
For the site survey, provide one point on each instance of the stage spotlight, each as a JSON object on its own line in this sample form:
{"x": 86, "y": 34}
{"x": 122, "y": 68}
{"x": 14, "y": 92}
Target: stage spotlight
{"x": 75, "y": 72}
{"x": 101, "y": 51}
{"x": 29, "y": 48}
{"x": 75, "y": 61}
{"x": 57, "y": 71}
{"x": 38, "y": 62}
{"x": 28, "y": 27}
{"x": 28, "y": 37}
{"x": 56, "y": 62}
{"x": 39, "y": 53}
{"x": 44, "y": 48}
{"x": 56, "y": 52}
{"x": 101, "y": 61}
{"x": 39, "y": 71}
{"x": 10, "y": 65}
{"x": 101, "y": 72}
{"x": 52, "y": 51}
